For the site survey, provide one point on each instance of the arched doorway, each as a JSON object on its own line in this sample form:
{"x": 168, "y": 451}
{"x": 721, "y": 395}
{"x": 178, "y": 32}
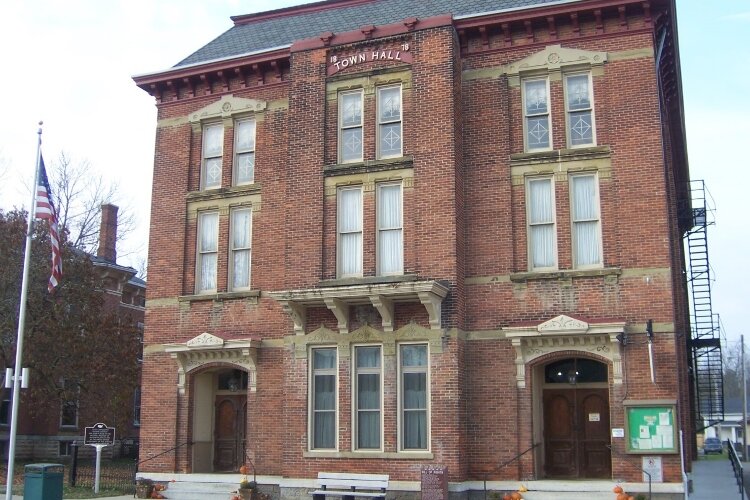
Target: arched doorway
{"x": 575, "y": 401}
{"x": 219, "y": 420}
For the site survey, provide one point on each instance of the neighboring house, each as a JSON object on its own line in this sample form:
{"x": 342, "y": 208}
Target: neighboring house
{"x": 730, "y": 429}
{"x": 51, "y": 432}
{"x": 389, "y": 234}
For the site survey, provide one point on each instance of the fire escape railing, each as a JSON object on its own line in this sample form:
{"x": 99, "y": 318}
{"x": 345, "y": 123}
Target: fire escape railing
{"x": 705, "y": 335}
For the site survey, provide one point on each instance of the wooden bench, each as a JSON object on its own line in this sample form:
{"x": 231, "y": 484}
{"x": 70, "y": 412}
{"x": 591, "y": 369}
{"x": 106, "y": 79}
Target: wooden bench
{"x": 348, "y": 486}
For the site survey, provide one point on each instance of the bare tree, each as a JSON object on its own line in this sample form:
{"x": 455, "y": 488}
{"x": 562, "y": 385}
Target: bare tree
{"x": 79, "y": 195}
{"x": 71, "y": 335}
{"x": 733, "y": 369}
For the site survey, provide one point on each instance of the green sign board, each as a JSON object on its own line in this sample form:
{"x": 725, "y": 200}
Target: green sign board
{"x": 651, "y": 429}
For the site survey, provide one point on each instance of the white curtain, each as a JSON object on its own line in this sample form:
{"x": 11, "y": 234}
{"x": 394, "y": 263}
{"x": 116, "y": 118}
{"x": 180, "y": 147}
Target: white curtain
{"x": 368, "y": 397}
{"x": 324, "y": 420}
{"x": 414, "y": 386}
{"x": 350, "y": 230}
{"x": 245, "y": 135}
{"x": 415, "y": 410}
{"x": 368, "y": 410}
{"x": 209, "y": 226}
{"x": 585, "y": 221}
{"x": 325, "y": 412}
{"x": 241, "y": 220}
{"x": 213, "y": 140}
{"x": 541, "y": 222}
{"x": 390, "y": 241}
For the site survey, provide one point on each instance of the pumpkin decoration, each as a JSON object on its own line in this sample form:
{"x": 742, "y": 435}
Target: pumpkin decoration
{"x": 507, "y": 497}
{"x": 244, "y": 469}
{"x": 622, "y": 496}
{"x": 516, "y": 496}
{"x": 617, "y": 489}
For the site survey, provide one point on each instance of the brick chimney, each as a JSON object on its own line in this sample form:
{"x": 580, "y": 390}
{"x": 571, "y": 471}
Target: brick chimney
{"x": 108, "y": 233}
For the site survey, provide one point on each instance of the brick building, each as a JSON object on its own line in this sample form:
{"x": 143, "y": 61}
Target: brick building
{"x": 48, "y": 429}
{"x": 391, "y": 234}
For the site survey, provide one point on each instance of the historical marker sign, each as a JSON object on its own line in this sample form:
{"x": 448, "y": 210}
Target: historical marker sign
{"x": 99, "y": 434}
{"x": 434, "y": 482}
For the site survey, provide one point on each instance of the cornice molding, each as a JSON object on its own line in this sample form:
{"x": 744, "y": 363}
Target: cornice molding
{"x": 566, "y": 333}
{"x": 208, "y": 348}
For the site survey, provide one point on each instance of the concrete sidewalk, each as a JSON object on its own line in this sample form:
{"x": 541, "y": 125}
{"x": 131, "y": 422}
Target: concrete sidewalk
{"x": 714, "y": 480}
{"x": 122, "y": 497}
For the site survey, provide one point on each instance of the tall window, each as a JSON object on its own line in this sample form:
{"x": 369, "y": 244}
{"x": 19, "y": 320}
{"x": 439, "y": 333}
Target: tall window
{"x": 139, "y": 326}
{"x": 240, "y": 239}
{"x": 541, "y": 223}
{"x": 323, "y": 398}
{"x": 244, "y": 151}
{"x": 414, "y": 396}
{"x": 69, "y": 414}
{"x": 208, "y": 235}
{"x": 367, "y": 400}
{"x": 5, "y": 411}
{"x": 579, "y": 103}
{"x": 536, "y": 114}
{"x": 584, "y": 200}
{"x": 349, "y": 222}
{"x": 69, "y": 406}
{"x": 389, "y": 122}
{"x": 350, "y": 126}
{"x": 213, "y": 149}
{"x": 390, "y": 230}
{"x": 137, "y": 406}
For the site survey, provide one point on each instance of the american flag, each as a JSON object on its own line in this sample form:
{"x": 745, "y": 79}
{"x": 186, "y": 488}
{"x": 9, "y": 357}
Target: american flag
{"x": 45, "y": 209}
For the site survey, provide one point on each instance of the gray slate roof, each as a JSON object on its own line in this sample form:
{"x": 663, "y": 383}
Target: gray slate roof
{"x": 270, "y": 33}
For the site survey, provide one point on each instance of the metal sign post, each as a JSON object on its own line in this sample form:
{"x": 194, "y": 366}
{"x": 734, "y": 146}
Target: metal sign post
{"x": 99, "y": 436}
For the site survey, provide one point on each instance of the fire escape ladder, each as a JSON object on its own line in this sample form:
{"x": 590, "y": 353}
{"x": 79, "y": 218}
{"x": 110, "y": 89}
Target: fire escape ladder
{"x": 705, "y": 339}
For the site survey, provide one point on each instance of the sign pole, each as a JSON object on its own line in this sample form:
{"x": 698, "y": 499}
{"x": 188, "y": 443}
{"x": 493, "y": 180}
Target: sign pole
{"x": 98, "y": 466}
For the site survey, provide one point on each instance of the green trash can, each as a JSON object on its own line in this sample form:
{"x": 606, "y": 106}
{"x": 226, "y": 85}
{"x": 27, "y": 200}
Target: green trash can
{"x": 43, "y": 482}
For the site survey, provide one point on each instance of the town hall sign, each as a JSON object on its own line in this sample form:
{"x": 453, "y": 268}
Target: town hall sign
{"x": 336, "y": 63}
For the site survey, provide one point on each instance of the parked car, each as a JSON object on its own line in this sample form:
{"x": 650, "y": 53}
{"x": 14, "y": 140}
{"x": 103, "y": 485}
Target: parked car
{"x": 712, "y": 445}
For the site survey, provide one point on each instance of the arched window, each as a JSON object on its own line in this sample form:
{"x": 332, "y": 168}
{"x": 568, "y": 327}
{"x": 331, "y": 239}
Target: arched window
{"x": 575, "y": 371}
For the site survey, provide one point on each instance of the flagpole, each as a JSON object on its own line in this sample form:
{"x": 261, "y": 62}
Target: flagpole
{"x": 21, "y": 324}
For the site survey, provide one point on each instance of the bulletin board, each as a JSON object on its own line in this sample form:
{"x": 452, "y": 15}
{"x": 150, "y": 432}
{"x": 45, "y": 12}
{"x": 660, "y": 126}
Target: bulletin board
{"x": 651, "y": 429}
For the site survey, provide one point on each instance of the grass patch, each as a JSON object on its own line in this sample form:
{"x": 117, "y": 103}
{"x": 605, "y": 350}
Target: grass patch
{"x": 714, "y": 456}
{"x": 88, "y": 492}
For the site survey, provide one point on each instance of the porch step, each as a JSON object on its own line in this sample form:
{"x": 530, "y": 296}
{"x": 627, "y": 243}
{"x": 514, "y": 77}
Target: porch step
{"x": 196, "y": 486}
{"x": 184, "y": 490}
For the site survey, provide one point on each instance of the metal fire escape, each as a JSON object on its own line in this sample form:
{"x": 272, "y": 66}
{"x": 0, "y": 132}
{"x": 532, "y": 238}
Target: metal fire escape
{"x": 705, "y": 338}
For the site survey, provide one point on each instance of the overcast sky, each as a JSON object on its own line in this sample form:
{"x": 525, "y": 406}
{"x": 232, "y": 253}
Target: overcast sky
{"x": 70, "y": 64}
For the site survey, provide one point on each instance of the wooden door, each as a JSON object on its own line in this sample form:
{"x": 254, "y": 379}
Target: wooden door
{"x": 576, "y": 433}
{"x": 560, "y": 434}
{"x": 229, "y": 433}
{"x": 593, "y": 436}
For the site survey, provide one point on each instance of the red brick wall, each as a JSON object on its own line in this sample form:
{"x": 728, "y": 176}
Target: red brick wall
{"x": 463, "y": 218}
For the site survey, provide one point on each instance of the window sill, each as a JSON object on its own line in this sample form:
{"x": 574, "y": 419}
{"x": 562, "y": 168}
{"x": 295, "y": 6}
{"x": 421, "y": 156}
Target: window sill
{"x": 368, "y": 280}
{"x": 368, "y": 166}
{"x": 565, "y": 274}
{"x": 217, "y": 193}
{"x": 401, "y": 455}
{"x": 582, "y": 153}
{"x": 221, "y": 296}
